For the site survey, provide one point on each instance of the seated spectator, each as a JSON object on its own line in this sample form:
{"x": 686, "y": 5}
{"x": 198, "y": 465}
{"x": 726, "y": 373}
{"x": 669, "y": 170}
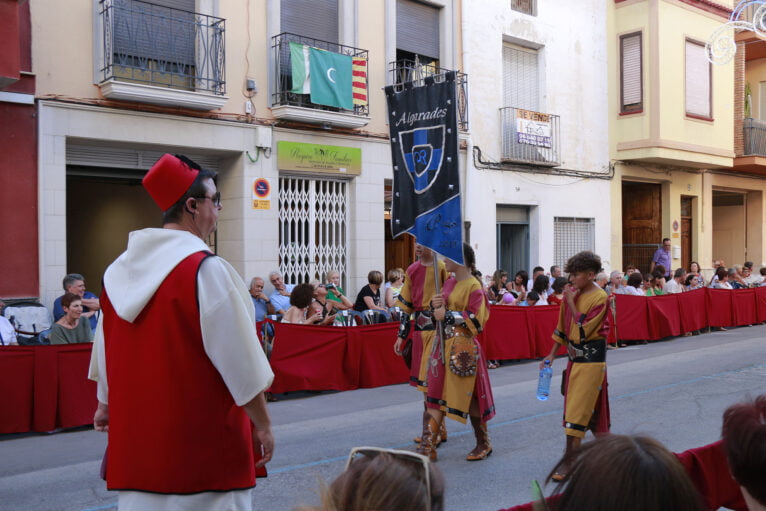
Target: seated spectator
{"x": 280, "y": 297}
{"x": 519, "y": 284}
{"x": 721, "y": 279}
{"x": 736, "y": 278}
{"x": 634, "y": 285}
{"x": 327, "y": 308}
{"x": 656, "y": 283}
{"x": 299, "y": 312}
{"x": 694, "y": 267}
{"x": 496, "y": 290}
{"x": 396, "y": 279}
{"x": 630, "y": 269}
{"x": 7, "y": 331}
{"x": 335, "y": 293}
{"x": 384, "y": 480}
{"x": 552, "y": 276}
{"x": 634, "y": 473}
{"x": 261, "y": 302}
{"x": 538, "y": 270}
{"x": 693, "y": 282}
{"x": 602, "y": 279}
{"x": 744, "y": 440}
{"x": 531, "y": 300}
{"x": 75, "y": 283}
{"x": 540, "y": 287}
{"x": 615, "y": 284}
{"x": 763, "y": 276}
{"x": 676, "y": 284}
{"x": 557, "y": 298}
{"x": 72, "y": 327}
{"x": 751, "y": 279}
{"x": 718, "y": 263}
{"x": 369, "y": 296}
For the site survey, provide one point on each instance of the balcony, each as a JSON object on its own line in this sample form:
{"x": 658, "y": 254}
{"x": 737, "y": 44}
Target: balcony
{"x": 412, "y": 71}
{"x": 291, "y": 106}
{"x": 753, "y": 160}
{"x": 530, "y": 138}
{"x": 160, "y": 55}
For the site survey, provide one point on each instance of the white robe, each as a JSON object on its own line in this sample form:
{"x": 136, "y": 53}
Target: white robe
{"x": 227, "y": 321}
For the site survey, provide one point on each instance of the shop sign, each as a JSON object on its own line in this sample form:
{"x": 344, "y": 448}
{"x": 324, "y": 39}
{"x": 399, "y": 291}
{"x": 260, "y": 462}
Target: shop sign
{"x": 326, "y": 159}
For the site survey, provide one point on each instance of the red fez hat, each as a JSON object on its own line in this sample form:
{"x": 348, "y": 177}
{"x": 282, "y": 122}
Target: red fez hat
{"x": 168, "y": 180}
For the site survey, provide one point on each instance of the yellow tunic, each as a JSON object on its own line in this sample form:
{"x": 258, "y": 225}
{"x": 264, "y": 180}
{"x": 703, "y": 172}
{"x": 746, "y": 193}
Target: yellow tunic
{"x": 585, "y": 379}
{"x": 453, "y": 393}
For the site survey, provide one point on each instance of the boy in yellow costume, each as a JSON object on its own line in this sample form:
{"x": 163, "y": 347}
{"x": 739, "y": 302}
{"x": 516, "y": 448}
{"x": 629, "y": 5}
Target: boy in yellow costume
{"x": 583, "y": 329}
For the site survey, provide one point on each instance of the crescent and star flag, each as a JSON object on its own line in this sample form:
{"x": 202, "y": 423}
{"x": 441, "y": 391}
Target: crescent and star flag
{"x": 426, "y": 188}
{"x": 325, "y": 75}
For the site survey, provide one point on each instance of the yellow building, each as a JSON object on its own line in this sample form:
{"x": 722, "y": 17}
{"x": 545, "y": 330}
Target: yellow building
{"x": 674, "y": 118}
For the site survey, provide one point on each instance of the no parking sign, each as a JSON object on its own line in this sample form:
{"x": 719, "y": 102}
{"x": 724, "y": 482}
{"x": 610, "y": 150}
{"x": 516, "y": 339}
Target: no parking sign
{"x": 261, "y": 193}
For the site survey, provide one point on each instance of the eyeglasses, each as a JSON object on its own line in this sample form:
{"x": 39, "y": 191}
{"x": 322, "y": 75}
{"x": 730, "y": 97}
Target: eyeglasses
{"x": 409, "y": 456}
{"x": 216, "y": 198}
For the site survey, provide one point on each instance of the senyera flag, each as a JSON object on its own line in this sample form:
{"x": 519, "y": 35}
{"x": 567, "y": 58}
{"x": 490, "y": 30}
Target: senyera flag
{"x": 424, "y": 141}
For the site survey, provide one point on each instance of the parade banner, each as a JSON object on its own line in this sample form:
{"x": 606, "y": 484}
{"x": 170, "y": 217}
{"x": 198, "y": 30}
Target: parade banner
{"x": 424, "y": 142}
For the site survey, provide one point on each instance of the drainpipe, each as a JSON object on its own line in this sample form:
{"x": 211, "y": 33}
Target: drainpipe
{"x": 466, "y": 70}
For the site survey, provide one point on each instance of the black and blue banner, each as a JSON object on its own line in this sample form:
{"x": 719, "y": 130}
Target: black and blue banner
{"x": 424, "y": 151}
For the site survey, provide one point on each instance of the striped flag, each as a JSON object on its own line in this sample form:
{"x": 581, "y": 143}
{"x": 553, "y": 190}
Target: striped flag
{"x": 299, "y": 56}
{"x": 359, "y": 85}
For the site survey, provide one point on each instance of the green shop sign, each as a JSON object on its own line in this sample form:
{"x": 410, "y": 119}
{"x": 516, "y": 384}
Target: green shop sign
{"x": 328, "y": 159}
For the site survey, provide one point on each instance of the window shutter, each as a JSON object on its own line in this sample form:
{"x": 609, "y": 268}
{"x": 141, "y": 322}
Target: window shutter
{"x": 417, "y": 28}
{"x": 317, "y": 19}
{"x": 521, "y": 87}
{"x": 698, "y": 77}
{"x": 153, "y": 31}
{"x": 630, "y": 49}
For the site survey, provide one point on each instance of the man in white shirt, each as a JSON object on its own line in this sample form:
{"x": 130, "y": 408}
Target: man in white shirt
{"x": 676, "y": 284}
{"x": 7, "y": 332}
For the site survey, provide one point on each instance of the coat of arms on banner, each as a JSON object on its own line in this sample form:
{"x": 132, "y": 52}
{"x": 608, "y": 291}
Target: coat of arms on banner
{"x": 423, "y": 151}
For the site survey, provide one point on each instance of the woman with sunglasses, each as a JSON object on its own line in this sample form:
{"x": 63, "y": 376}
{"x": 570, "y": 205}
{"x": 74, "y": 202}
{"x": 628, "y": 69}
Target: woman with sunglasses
{"x": 458, "y": 381}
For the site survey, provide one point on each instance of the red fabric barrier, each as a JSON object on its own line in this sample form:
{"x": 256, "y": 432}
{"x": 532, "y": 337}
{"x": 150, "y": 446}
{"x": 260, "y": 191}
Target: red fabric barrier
{"x": 760, "y": 304}
{"x": 693, "y": 310}
{"x": 370, "y": 356}
{"x": 664, "y": 316}
{"x": 47, "y": 388}
{"x": 744, "y": 306}
{"x": 507, "y": 334}
{"x": 309, "y": 357}
{"x": 632, "y": 317}
{"x": 17, "y": 381}
{"x": 543, "y": 320}
{"x": 719, "y": 307}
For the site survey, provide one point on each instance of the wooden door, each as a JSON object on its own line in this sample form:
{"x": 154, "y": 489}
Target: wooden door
{"x": 641, "y": 223}
{"x": 686, "y": 232}
{"x": 400, "y": 252}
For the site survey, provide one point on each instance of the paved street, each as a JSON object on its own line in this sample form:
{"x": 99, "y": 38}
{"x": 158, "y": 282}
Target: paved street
{"x": 674, "y": 390}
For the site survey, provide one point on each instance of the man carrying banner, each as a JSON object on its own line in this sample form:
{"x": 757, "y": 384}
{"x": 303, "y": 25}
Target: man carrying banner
{"x": 426, "y": 204}
{"x": 414, "y": 298}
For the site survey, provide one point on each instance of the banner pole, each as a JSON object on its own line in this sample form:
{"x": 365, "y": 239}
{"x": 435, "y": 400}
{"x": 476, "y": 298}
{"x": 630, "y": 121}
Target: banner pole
{"x": 439, "y": 341}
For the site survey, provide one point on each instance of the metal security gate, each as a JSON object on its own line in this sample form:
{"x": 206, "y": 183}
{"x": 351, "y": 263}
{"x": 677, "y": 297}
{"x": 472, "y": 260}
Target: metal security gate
{"x": 313, "y": 225}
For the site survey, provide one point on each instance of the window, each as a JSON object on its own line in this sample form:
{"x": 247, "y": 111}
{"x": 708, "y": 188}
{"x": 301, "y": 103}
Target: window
{"x": 525, "y": 6}
{"x": 698, "y": 81}
{"x": 315, "y": 19}
{"x": 417, "y": 34}
{"x": 631, "y": 85}
{"x": 521, "y": 82}
{"x": 313, "y": 222}
{"x": 570, "y": 236}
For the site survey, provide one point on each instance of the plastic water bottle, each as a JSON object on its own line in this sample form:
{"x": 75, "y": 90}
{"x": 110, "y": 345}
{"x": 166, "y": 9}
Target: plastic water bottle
{"x": 544, "y": 382}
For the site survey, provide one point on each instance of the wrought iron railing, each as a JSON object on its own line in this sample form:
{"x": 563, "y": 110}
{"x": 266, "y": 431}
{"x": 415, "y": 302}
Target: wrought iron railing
{"x": 412, "y": 71}
{"x": 754, "y": 131}
{"x": 531, "y": 137}
{"x": 639, "y": 255}
{"x": 162, "y": 46}
{"x": 525, "y": 6}
{"x": 283, "y": 74}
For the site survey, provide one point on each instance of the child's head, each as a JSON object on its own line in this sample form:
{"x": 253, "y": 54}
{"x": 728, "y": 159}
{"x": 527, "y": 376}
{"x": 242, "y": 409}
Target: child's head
{"x": 584, "y": 267}
{"x": 532, "y": 298}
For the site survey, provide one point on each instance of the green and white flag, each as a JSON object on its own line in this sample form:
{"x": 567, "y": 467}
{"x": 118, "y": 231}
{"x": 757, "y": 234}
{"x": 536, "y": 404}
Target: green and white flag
{"x": 331, "y": 79}
{"x": 299, "y": 56}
